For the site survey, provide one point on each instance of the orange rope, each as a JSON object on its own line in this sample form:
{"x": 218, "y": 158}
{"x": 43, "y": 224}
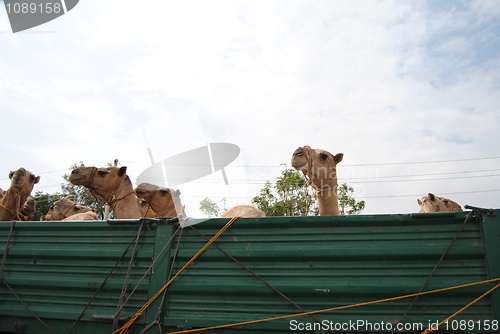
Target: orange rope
{"x": 429, "y": 330}
{"x": 129, "y": 323}
{"x": 351, "y": 306}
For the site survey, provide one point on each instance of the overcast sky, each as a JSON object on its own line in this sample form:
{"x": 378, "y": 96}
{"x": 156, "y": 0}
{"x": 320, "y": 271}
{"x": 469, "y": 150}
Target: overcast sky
{"x": 409, "y": 91}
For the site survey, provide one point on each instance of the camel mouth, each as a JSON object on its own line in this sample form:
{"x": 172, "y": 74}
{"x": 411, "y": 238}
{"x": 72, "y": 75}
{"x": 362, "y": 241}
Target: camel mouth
{"x": 76, "y": 180}
{"x": 300, "y": 166}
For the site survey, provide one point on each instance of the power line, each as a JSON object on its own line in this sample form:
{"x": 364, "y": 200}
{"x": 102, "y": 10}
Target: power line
{"x": 445, "y": 194}
{"x": 347, "y": 165}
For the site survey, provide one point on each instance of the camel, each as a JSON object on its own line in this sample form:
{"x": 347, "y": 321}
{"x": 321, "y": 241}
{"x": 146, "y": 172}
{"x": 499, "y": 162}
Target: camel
{"x": 28, "y": 209}
{"x": 320, "y": 169}
{"x": 14, "y": 199}
{"x": 67, "y": 209}
{"x": 164, "y": 202}
{"x": 433, "y": 203}
{"x": 112, "y": 186}
{"x": 243, "y": 211}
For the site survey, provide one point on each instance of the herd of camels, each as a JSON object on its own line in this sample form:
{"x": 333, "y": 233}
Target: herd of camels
{"x": 112, "y": 186}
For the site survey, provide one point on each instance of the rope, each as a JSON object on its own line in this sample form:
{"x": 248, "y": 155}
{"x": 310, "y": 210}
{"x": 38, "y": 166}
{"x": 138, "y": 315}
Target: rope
{"x": 17, "y": 211}
{"x": 123, "y": 294}
{"x": 436, "y": 267}
{"x": 350, "y": 306}
{"x": 258, "y": 277}
{"x": 158, "y": 313}
{"x": 27, "y": 307}
{"x": 152, "y": 265}
{"x": 429, "y": 330}
{"x": 129, "y": 323}
{"x": 103, "y": 283}
{"x": 4, "y": 258}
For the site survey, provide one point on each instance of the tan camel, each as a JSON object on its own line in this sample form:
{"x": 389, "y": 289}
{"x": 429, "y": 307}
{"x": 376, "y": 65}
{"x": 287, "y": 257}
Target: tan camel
{"x": 164, "y": 202}
{"x": 28, "y": 209}
{"x": 14, "y": 199}
{"x": 67, "y": 209}
{"x": 243, "y": 211}
{"x": 433, "y": 203}
{"x": 112, "y": 186}
{"x": 320, "y": 168}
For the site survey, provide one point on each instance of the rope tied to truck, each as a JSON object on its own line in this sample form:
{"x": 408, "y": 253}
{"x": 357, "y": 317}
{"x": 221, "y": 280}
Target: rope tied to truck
{"x": 427, "y": 331}
{"x": 430, "y": 330}
{"x": 129, "y": 323}
{"x": 469, "y": 216}
{"x": 4, "y": 282}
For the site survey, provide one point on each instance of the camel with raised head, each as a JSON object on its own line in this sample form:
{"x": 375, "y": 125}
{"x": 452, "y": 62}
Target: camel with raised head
{"x": 433, "y": 203}
{"x": 67, "y": 209}
{"x": 247, "y": 211}
{"x": 14, "y": 198}
{"x": 164, "y": 202}
{"x": 320, "y": 169}
{"x": 112, "y": 186}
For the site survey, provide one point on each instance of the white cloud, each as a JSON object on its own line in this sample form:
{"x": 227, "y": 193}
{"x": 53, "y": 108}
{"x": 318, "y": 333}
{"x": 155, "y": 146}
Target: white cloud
{"x": 380, "y": 81}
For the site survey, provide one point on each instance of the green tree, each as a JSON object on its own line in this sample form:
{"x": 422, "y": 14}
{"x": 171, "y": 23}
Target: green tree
{"x": 289, "y": 197}
{"x": 210, "y": 208}
{"x": 348, "y": 204}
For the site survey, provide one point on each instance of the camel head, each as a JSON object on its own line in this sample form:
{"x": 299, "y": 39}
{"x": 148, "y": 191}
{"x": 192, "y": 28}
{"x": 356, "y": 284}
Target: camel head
{"x": 104, "y": 181}
{"x": 164, "y": 201}
{"x": 65, "y": 207}
{"x": 433, "y": 203}
{"x": 23, "y": 181}
{"x": 318, "y": 165}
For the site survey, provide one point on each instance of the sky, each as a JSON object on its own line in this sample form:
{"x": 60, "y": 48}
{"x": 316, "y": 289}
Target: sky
{"x": 409, "y": 91}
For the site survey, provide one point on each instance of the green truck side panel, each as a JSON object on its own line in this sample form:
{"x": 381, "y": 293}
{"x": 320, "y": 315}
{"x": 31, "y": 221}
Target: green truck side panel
{"x": 318, "y": 262}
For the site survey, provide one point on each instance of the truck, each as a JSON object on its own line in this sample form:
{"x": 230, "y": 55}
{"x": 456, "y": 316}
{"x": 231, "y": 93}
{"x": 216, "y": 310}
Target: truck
{"x": 383, "y": 273}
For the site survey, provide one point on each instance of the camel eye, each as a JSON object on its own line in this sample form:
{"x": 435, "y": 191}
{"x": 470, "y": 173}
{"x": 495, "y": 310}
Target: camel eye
{"x": 102, "y": 173}
{"x": 164, "y": 192}
{"x": 323, "y": 156}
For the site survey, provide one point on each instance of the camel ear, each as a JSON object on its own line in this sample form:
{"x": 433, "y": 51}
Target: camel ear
{"x": 177, "y": 192}
{"x": 70, "y": 198}
{"x": 338, "y": 157}
{"x": 122, "y": 171}
{"x": 419, "y": 202}
{"x": 432, "y": 197}
{"x": 11, "y": 174}
{"x": 37, "y": 179}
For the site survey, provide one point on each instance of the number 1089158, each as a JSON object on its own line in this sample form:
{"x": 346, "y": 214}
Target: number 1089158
{"x": 27, "y": 7}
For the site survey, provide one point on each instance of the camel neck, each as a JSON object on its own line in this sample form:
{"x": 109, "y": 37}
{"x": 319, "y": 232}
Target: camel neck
{"x": 123, "y": 202}
{"x": 11, "y": 205}
{"x": 328, "y": 202}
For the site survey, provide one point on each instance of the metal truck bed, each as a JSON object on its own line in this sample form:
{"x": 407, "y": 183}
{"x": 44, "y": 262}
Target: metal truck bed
{"x": 356, "y": 274}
